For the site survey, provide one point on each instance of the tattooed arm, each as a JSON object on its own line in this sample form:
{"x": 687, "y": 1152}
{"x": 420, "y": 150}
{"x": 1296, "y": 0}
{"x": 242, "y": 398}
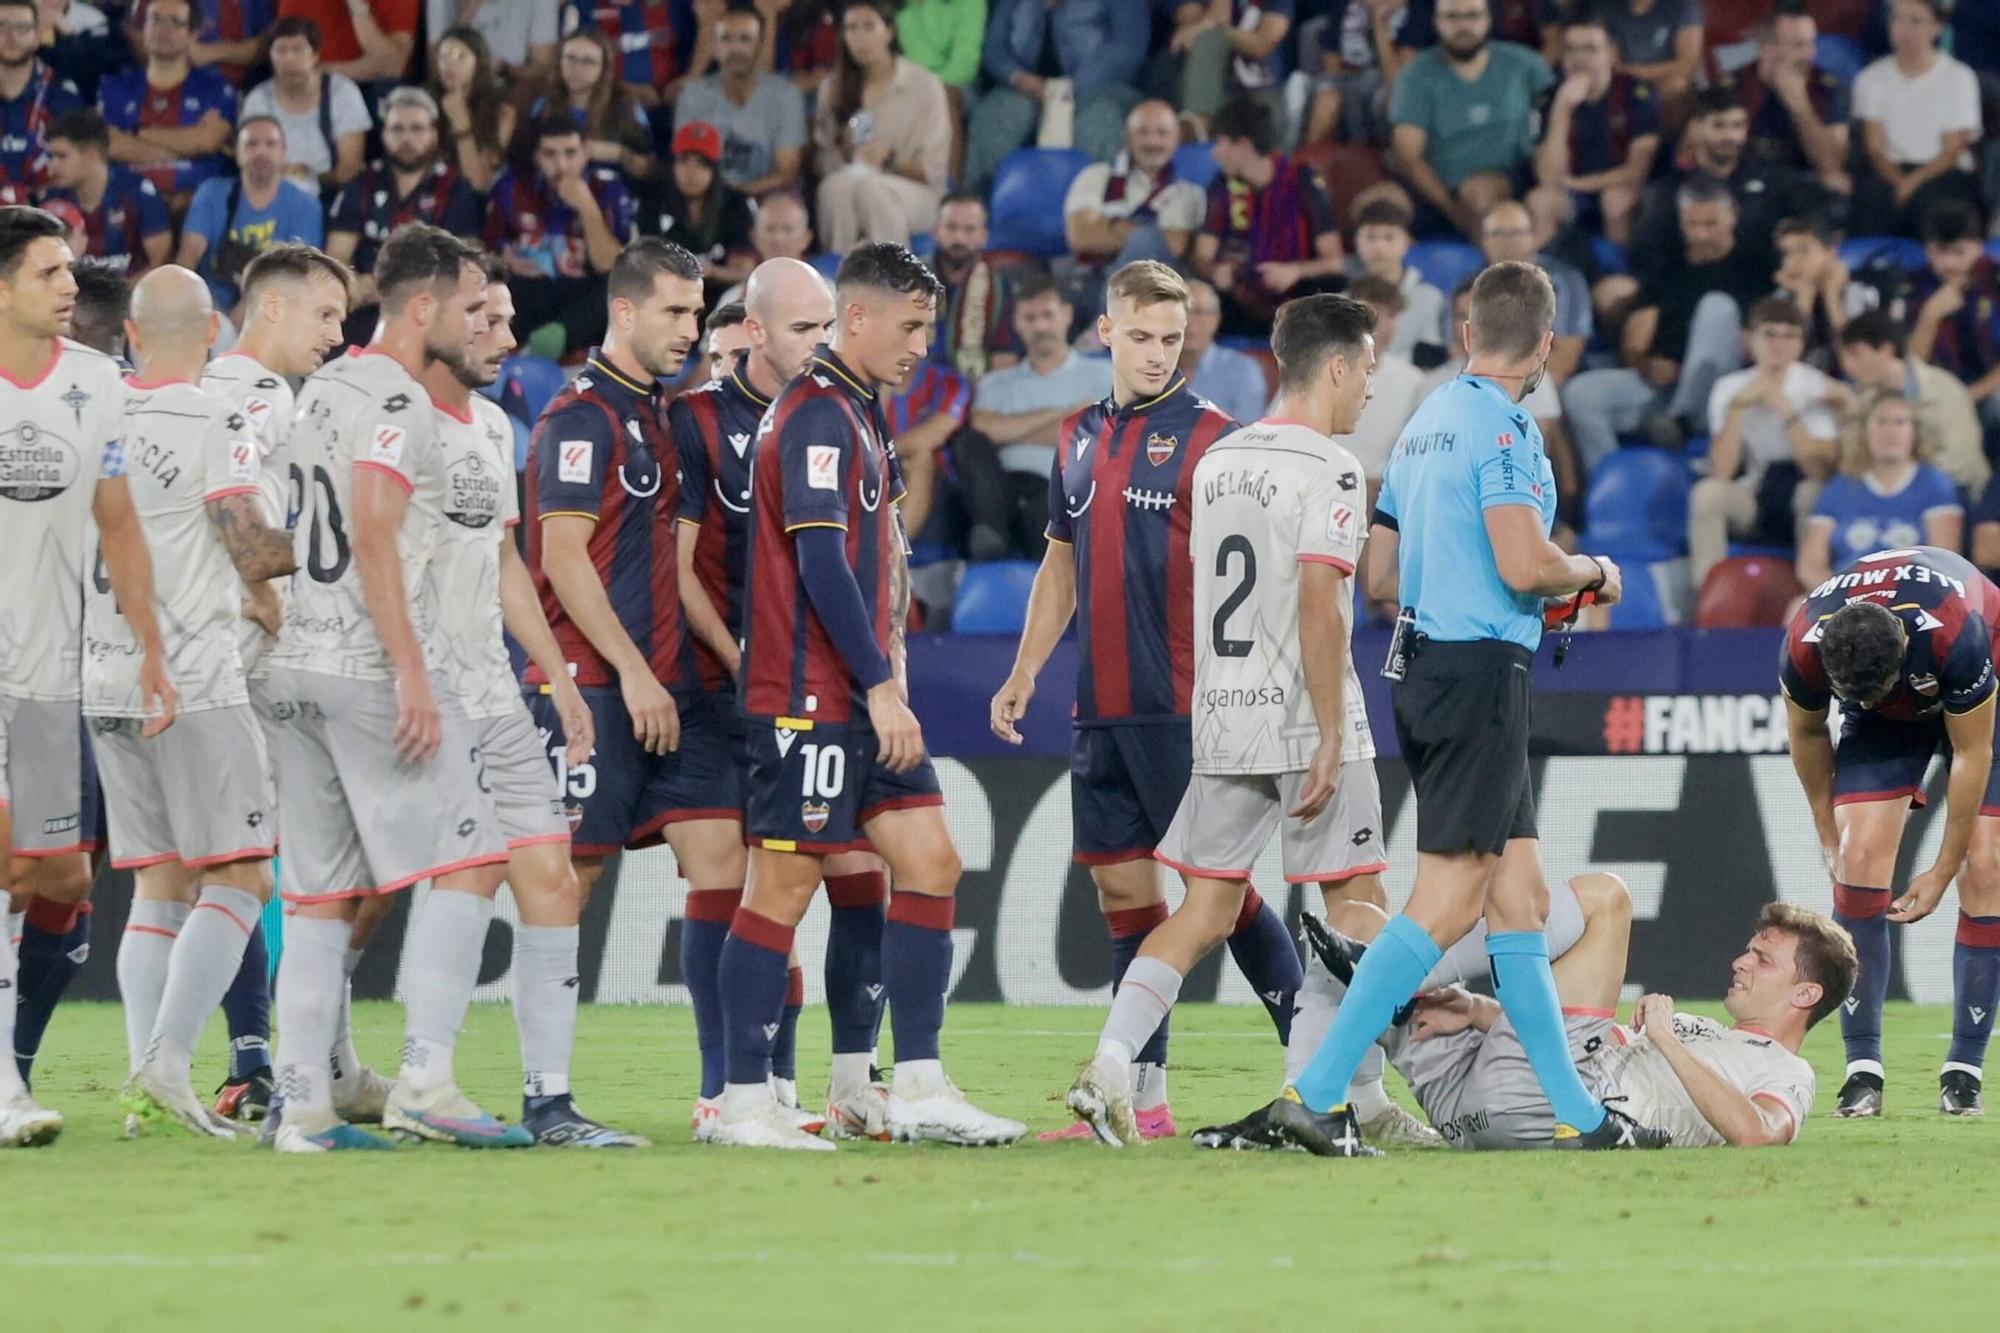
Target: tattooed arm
{"x": 258, "y": 551}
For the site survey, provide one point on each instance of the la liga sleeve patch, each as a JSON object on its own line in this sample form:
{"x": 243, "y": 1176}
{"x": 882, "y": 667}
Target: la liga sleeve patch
{"x": 573, "y": 461}
{"x": 385, "y": 446}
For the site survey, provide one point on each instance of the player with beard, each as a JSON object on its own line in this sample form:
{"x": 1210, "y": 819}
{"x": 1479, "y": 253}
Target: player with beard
{"x": 62, "y": 465}
{"x": 1118, "y": 564}
{"x": 479, "y": 585}
{"x": 790, "y": 311}
{"x": 410, "y": 182}
{"x": 379, "y": 781}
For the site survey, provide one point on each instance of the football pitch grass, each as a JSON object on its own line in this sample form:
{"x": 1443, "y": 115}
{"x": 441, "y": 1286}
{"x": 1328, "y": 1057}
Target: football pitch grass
{"x": 1890, "y": 1224}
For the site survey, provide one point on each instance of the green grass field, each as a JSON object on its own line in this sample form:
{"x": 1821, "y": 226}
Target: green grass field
{"x": 1880, "y": 1225}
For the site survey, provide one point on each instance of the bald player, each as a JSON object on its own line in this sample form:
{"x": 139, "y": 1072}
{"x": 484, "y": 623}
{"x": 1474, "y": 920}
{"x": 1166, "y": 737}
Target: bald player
{"x": 190, "y": 808}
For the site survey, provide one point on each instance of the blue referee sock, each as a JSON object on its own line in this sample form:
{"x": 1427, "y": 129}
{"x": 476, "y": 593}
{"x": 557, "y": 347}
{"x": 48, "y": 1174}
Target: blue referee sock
{"x": 246, "y": 1006}
{"x": 1526, "y": 990}
{"x": 1389, "y": 974}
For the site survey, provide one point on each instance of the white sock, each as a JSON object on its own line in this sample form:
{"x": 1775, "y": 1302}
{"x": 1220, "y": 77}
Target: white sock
{"x": 145, "y": 953}
{"x": 1313, "y": 1008}
{"x": 308, "y": 1001}
{"x": 205, "y": 961}
{"x": 445, "y": 944}
{"x": 1144, "y": 998}
{"x": 917, "y": 1077}
{"x": 346, "y": 1061}
{"x": 1366, "y": 1094}
{"x": 850, "y": 1073}
{"x": 1149, "y": 1087}
{"x": 545, "y": 995}
{"x": 10, "y": 1077}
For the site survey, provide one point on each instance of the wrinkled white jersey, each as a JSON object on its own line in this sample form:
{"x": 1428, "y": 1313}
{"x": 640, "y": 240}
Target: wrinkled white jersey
{"x": 1267, "y": 498}
{"x": 362, "y": 410}
{"x": 59, "y": 435}
{"x": 265, "y": 401}
{"x": 1754, "y": 1065}
{"x": 183, "y": 448}
{"x": 480, "y": 507}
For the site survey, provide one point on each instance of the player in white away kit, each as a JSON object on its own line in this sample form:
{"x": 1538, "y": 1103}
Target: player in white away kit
{"x": 379, "y": 781}
{"x": 294, "y": 302}
{"x": 478, "y": 582}
{"x": 1281, "y": 741}
{"x": 62, "y": 463}
{"x": 191, "y": 809}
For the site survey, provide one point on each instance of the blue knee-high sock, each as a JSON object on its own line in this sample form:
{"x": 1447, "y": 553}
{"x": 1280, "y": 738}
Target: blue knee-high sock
{"x": 1975, "y": 988}
{"x": 1129, "y": 928}
{"x": 1388, "y": 975}
{"x": 246, "y": 1006}
{"x": 1526, "y": 990}
{"x": 754, "y": 963}
{"x": 704, "y": 928}
{"x": 916, "y": 971}
{"x": 1264, "y": 951}
{"x": 854, "y": 959}
{"x": 1863, "y": 912}
{"x": 785, "y": 1050}
{"x": 55, "y": 941}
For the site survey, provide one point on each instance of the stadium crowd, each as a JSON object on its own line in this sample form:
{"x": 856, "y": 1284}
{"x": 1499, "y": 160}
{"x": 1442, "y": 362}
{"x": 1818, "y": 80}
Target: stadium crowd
{"x": 1767, "y": 220}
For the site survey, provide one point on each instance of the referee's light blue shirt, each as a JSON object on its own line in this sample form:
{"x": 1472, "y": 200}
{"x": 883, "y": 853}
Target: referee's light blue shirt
{"x": 1469, "y": 448}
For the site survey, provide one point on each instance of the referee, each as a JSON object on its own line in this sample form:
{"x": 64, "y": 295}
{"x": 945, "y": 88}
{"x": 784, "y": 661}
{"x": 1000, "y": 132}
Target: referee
{"x": 1466, "y": 507}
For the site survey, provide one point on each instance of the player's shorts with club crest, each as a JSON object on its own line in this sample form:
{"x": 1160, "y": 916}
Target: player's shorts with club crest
{"x": 1879, "y": 760}
{"x": 524, "y": 790}
{"x": 359, "y": 819}
{"x": 813, "y": 786}
{"x": 199, "y": 792}
{"x": 624, "y": 797}
{"x": 1225, "y": 819}
{"x": 47, "y": 782}
{"x": 1125, "y": 783}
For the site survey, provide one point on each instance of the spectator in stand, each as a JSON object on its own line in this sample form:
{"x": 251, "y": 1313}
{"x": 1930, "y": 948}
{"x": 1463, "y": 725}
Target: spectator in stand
{"x": 476, "y": 121}
{"x": 648, "y": 43}
{"x": 410, "y": 182}
{"x": 1717, "y": 136}
{"x": 1381, "y": 242}
{"x": 933, "y": 404}
{"x": 1507, "y": 232}
{"x": 1398, "y": 385}
{"x": 232, "y": 221}
{"x": 1919, "y": 114}
{"x": 975, "y": 330}
{"x": 1775, "y": 440}
{"x": 169, "y": 121}
{"x": 882, "y": 135}
{"x": 369, "y": 41}
{"x": 124, "y": 217}
{"x": 1685, "y": 333}
{"x": 1600, "y": 138}
{"x": 782, "y": 230}
{"x": 1026, "y": 403}
{"x": 1798, "y": 113}
{"x": 32, "y": 93}
{"x": 1811, "y": 273}
{"x": 690, "y": 205}
{"x": 803, "y": 44}
{"x": 521, "y": 34}
{"x": 326, "y": 121}
{"x": 1230, "y": 379}
{"x": 1134, "y": 207}
{"x": 1657, "y": 42}
{"x": 1270, "y": 233}
{"x": 559, "y": 223}
{"x": 1358, "y": 59}
{"x": 1983, "y": 545}
{"x": 1887, "y": 495}
{"x": 1463, "y": 112}
{"x": 79, "y": 40}
{"x": 1874, "y": 358}
{"x": 1229, "y": 51}
{"x": 1957, "y": 300}
{"x": 946, "y": 37}
{"x": 762, "y": 116}
{"x": 615, "y": 133}
{"x": 1095, "y": 53}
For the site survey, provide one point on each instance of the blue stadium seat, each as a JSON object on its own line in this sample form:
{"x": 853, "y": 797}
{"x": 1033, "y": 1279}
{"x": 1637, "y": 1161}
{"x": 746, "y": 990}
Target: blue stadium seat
{"x": 1840, "y": 57}
{"x": 1195, "y": 164}
{"x": 1857, "y": 252}
{"x": 1993, "y": 249}
{"x": 1637, "y": 503}
{"x": 1642, "y": 607}
{"x": 923, "y": 245}
{"x": 993, "y": 597}
{"x": 1026, "y": 203}
{"x": 522, "y": 434}
{"x": 1609, "y": 254}
{"x": 528, "y": 383}
{"x": 828, "y": 265}
{"x": 1445, "y": 264}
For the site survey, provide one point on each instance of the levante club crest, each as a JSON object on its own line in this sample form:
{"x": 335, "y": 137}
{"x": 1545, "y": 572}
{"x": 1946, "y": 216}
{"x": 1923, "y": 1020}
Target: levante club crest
{"x": 1159, "y": 448}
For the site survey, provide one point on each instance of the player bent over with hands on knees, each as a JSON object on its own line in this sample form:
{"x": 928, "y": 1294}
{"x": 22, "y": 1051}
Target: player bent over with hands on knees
{"x": 832, "y": 747}
{"x": 69, "y": 514}
{"x": 1904, "y": 639}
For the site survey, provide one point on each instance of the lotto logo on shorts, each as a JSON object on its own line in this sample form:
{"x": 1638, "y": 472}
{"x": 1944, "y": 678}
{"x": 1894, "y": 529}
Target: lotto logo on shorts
{"x": 573, "y": 461}
{"x": 814, "y": 814}
{"x": 386, "y": 445}
{"x": 823, "y": 467}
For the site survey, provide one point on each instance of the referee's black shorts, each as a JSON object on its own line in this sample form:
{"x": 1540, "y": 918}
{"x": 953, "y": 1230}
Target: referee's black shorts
{"x": 1462, "y": 714}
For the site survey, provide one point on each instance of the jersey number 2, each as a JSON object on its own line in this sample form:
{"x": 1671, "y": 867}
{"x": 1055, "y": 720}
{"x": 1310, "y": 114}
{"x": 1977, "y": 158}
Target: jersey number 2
{"x": 1218, "y": 635}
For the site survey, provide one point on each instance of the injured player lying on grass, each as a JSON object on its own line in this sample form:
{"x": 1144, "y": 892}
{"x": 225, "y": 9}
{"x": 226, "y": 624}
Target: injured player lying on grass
{"x": 1709, "y": 1084}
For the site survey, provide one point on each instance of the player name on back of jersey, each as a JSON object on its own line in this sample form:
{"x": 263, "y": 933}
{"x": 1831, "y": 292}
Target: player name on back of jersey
{"x": 1880, "y": 573}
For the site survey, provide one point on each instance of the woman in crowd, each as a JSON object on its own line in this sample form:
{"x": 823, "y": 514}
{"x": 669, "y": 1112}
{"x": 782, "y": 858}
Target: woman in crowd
{"x": 882, "y": 135}
{"x": 478, "y": 121}
{"x": 1887, "y": 495}
{"x": 614, "y": 130}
